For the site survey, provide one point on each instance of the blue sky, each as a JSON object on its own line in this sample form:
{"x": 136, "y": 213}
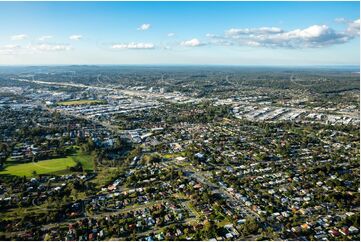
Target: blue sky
{"x": 235, "y": 33}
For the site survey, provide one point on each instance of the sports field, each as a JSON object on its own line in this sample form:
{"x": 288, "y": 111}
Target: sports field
{"x": 81, "y": 102}
{"x": 48, "y": 166}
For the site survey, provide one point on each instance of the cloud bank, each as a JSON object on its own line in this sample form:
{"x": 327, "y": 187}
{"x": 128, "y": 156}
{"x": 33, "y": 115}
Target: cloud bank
{"x": 314, "y": 36}
{"x": 192, "y": 43}
{"x": 144, "y": 27}
{"x": 19, "y": 37}
{"x": 45, "y": 37}
{"x": 75, "y": 37}
{"x": 49, "y": 47}
{"x": 133, "y": 45}
{"x": 9, "y": 49}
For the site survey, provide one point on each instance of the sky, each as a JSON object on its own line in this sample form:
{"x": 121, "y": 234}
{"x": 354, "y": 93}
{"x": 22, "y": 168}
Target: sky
{"x": 187, "y": 33}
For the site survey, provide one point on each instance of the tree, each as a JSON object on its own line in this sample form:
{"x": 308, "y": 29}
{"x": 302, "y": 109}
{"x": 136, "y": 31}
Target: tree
{"x": 95, "y": 163}
{"x": 209, "y": 229}
{"x": 47, "y": 237}
{"x": 97, "y": 159}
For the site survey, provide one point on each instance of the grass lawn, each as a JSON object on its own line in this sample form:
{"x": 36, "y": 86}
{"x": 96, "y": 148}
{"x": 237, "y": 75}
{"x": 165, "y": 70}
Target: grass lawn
{"x": 222, "y": 223}
{"x": 41, "y": 167}
{"x": 174, "y": 155}
{"x": 49, "y": 166}
{"x": 21, "y": 212}
{"x": 104, "y": 176}
{"x": 193, "y": 210}
{"x": 179, "y": 195}
{"x": 85, "y": 160}
{"x": 81, "y": 102}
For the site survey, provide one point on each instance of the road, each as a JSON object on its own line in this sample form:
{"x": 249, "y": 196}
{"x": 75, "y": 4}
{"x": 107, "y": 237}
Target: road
{"x": 128, "y": 92}
{"x": 104, "y": 214}
{"x": 216, "y": 189}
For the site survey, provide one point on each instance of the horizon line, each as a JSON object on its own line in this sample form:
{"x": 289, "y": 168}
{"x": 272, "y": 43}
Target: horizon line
{"x": 231, "y": 65}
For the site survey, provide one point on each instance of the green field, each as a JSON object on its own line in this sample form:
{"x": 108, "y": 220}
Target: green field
{"x": 85, "y": 160}
{"x": 81, "y": 102}
{"x": 174, "y": 155}
{"x": 48, "y": 166}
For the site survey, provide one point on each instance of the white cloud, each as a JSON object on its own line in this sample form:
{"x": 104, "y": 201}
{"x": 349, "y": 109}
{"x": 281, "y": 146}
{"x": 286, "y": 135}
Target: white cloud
{"x": 192, "y": 43}
{"x": 11, "y": 46}
{"x": 262, "y": 30}
{"x": 353, "y": 28}
{"x": 19, "y": 37}
{"x": 45, "y": 37}
{"x": 9, "y": 49}
{"x": 75, "y": 37}
{"x": 253, "y": 44}
{"x": 209, "y": 35}
{"x": 313, "y": 31}
{"x": 33, "y": 48}
{"x": 144, "y": 27}
{"x": 311, "y": 37}
{"x": 171, "y": 34}
{"x": 340, "y": 20}
{"x": 314, "y": 36}
{"x": 219, "y": 39}
{"x": 133, "y": 45}
{"x": 49, "y": 47}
